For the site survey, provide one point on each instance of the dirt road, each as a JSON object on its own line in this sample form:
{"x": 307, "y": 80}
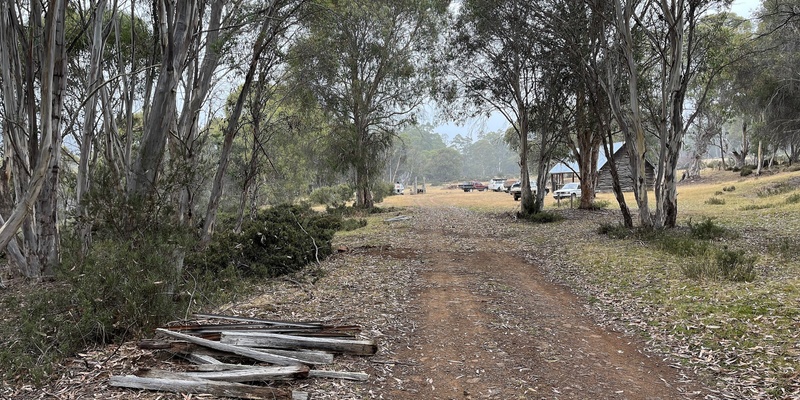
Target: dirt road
{"x": 463, "y": 307}
{"x": 488, "y": 324}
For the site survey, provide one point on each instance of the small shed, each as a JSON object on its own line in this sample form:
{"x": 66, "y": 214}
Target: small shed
{"x": 568, "y": 172}
{"x": 623, "y": 162}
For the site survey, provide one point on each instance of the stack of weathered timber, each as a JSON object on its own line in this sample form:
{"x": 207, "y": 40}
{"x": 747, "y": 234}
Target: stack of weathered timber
{"x": 273, "y": 350}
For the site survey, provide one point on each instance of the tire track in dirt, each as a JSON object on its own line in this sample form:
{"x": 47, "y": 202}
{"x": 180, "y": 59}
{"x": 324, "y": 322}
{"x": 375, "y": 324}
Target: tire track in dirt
{"x": 490, "y": 325}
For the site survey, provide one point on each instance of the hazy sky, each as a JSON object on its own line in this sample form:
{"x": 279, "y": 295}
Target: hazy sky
{"x": 475, "y": 126}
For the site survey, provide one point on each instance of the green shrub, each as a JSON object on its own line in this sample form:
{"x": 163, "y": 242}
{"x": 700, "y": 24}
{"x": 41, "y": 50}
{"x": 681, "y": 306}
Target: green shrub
{"x": 719, "y": 193}
{"x": 722, "y": 264}
{"x": 746, "y": 170}
{"x": 381, "y": 190}
{"x": 352, "y": 224}
{"x": 756, "y": 207}
{"x": 541, "y": 217}
{"x": 280, "y": 240}
{"x": 332, "y": 196}
{"x": 601, "y": 204}
{"x": 615, "y": 231}
{"x": 716, "y": 201}
{"x": 729, "y": 188}
{"x": 793, "y": 199}
{"x": 786, "y": 247}
{"x": 734, "y": 265}
{"x": 707, "y": 230}
{"x": 117, "y": 291}
{"x": 775, "y": 189}
{"x": 679, "y": 245}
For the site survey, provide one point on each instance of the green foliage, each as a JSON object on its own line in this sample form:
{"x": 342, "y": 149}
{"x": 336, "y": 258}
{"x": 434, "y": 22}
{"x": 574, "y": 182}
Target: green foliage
{"x": 280, "y": 240}
{"x": 380, "y": 190}
{"x": 716, "y": 201}
{"x": 746, "y": 170}
{"x": 364, "y": 41}
{"x": 793, "y": 199}
{"x": 786, "y": 247}
{"x": 719, "y": 193}
{"x": 119, "y": 290}
{"x": 707, "y": 230}
{"x": 722, "y": 264}
{"x": 601, "y": 204}
{"x": 332, "y": 196}
{"x": 677, "y": 244}
{"x": 775, "y": 189}
{"x": 730, "y": 188}
{"x": 615, "y": 231}
{"x": 756, "y": 207}
{"x": 352, "y": 224}
{"x": 541, "y": 217}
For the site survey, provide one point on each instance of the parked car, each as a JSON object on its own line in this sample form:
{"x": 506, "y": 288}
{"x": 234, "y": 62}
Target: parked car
{"x": 473, "y": 185}
{"x": 570, "y": 190}
{"x": 497, "y": 184}
{"x": 399, "y": 188}
{"x": 516, "y": 189}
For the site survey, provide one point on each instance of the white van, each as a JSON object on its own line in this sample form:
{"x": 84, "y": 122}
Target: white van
{"x": 399, "y": 188}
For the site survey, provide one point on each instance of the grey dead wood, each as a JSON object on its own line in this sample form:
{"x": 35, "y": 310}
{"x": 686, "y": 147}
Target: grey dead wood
{"x": 314, "y": 373}
{"x": 254, "y": 373}
{"x": 239, "y": 351}
{"x": 202, "y": 355}
{"x": 200, "y": 359}
{"x": 261, "y": 321}
{"x": 351, "y": 376}
{"x": 202, "y": 386}
{"x": 310, "y": 357}
{"x": 273, "y": 340}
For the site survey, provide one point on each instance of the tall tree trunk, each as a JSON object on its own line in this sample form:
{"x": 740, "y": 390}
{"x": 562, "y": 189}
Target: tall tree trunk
{"x": 231, "y": 130}
{"x": 760, "y": 159}
{"x": 52, "y": 86}
{"x": 180, "y": 22}
{"x": 634, "y": 133}
{"x": 83, "y": 226}
{"x": 188, "y": 129}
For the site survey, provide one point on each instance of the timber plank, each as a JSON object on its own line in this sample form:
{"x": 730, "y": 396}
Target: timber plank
{"x": 254, "y": 374}
{"x": 352, "y": 376}
{"x": 274, "y": 340}
{"x": 240, "y": 351}
{"x": 203, "y": 386}
{"x": 262, "y": 321}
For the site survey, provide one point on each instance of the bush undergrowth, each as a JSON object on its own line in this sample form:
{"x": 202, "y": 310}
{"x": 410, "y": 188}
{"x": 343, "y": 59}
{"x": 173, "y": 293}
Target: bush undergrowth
{"x": 541, "y": 217}
{"x": 702, "y": 259}
{"x": 128, "y": 283}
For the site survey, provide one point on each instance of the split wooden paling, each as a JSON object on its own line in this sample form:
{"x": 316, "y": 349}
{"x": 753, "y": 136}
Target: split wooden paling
{"x": 291, "y": 350}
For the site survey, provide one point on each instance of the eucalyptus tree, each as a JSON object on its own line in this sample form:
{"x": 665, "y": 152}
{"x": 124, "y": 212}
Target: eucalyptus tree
{"x": 496, "y": 64}
{"x": 274, "y": 19}
{"x": 658, "y": 51}
{"x": 777, "y": 96}
{"x": 367, "y": 65}
{"x": 32, "y": 73}
{"x": 731, "y": 54}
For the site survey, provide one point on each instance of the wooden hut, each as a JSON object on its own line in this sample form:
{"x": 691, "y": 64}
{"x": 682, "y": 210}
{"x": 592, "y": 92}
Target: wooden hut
{"x": 623, "y": 162}
{"x": 564, "y": 172}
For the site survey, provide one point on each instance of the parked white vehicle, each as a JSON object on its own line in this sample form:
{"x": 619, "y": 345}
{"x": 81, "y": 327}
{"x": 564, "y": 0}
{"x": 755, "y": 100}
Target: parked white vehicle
{"x": 516, "y": 190}
{"x": 399, "y": 188}
{"x": 497, "y": 184}
{"x": 570, "y": 190}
